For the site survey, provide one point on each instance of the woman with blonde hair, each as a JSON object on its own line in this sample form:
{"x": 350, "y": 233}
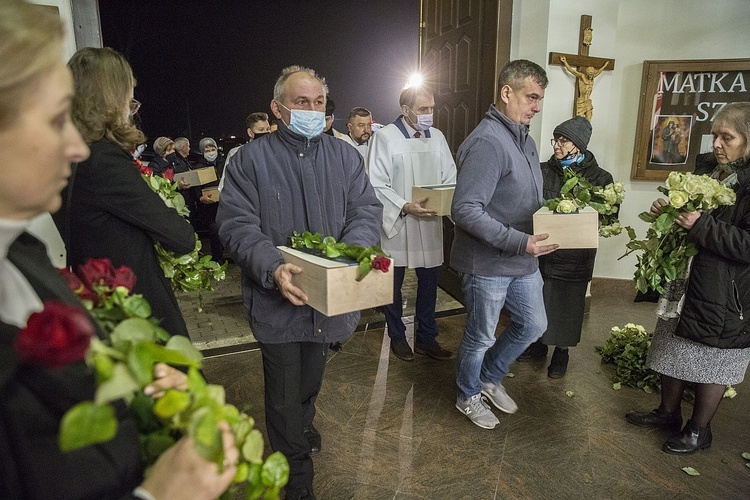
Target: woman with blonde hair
{"x": 112, "y": 212}
{"x": 36, "y": 91}
{"x": 702, "y": 335}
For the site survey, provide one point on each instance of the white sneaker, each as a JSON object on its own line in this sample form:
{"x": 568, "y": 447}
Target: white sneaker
{"x": 478, "y": 411}
{"x": 499, "y": 397}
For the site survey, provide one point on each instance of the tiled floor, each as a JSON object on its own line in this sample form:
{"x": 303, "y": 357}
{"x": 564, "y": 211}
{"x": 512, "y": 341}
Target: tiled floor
{"x": 390, "y": 429}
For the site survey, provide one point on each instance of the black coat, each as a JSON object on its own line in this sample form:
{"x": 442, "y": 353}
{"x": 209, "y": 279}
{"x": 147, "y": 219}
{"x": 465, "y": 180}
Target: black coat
{"x": 114, "y": 214}
{"x": 716, "y": 311}
{"x": 159, "y": 164}
{"x": 570, "y": 264}
{"x": 32, "y": 402}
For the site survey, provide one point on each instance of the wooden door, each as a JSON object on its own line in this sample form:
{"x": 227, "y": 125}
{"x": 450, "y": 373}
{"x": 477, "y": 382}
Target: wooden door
{"x": 464, "y": 44}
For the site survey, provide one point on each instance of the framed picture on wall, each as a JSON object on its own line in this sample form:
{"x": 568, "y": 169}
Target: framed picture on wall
{"x": 678, "y": 102}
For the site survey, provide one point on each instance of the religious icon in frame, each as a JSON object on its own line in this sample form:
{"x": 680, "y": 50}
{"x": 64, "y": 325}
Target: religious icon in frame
{"x": 678, "y": 102}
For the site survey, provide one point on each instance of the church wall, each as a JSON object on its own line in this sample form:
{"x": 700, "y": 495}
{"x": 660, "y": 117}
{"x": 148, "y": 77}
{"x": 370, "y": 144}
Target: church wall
{"x": 42, "y": 226}
{"x": 630, "y": 32}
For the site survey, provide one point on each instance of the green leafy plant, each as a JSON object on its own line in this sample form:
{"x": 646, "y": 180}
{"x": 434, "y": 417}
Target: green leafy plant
{"x": 190, "y": 272}
{"x": 123, "y": 367}
{"x": 666, "y": 251}
{"x": 627, "y": 348}
{"x": 577, "y": 192}
{"x": 368, "y": 258}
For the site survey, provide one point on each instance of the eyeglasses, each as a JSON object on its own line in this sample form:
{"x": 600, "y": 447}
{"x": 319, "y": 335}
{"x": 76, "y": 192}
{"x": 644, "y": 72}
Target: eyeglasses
{"x": 560, "y": 140}
{"x": 134, "y": 106}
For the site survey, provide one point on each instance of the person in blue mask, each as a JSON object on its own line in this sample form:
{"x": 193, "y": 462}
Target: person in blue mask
{"x": 296, "y": 179}
{"x": 566, "y": 273}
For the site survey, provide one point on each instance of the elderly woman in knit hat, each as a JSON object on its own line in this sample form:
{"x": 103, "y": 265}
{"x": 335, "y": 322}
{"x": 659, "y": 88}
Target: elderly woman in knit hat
{"x": 164, "y": 149}
{"x": 566, "y": 273}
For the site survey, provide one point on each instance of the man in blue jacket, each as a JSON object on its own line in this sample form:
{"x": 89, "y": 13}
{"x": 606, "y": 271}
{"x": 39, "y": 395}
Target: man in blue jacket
{"x": 499, "y": 187}
{"x": 296, "y": 179}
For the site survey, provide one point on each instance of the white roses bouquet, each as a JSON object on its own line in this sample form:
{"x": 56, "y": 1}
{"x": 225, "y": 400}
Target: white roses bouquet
{"x": 666, "y": 251}
{"x": 577, "y": 192}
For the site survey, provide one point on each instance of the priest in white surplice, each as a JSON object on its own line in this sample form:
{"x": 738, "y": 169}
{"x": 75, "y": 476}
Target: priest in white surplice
{"x": 406, "y": 153}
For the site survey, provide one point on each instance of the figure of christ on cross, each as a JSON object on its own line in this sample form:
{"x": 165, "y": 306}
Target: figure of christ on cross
{"x": 586, "y": 70}
{"x": 584, "y": 106}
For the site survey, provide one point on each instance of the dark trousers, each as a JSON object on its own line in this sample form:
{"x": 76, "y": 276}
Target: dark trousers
{"x": 427, "y": 282}
{"x": 293, "y": 374}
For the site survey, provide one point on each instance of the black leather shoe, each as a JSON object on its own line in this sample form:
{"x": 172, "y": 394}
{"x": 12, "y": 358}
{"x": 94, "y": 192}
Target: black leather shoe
{"x": 433, "y": 350}
{"x": 313, "y": 437}
{"x": 656, "y": 418}
{"x": 401, "y": 349}
{"x": 691, "y": 439}
{"x": 559, "y": 364}
{"x": 535, "y": 351}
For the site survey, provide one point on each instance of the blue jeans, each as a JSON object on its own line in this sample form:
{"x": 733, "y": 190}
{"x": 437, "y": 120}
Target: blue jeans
{"x": 482, "y": 358}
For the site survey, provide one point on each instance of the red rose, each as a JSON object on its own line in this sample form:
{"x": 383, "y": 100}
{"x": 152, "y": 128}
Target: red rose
{"x": 58, "y": 335}
{"x": 168, "y": 174}
{"x": 75, "y": 284}
{"x": 147, "y": 171}
{"x": 381, "y": 263}
{"x": 97, "y": 272}
{"x": 124, "y": 276}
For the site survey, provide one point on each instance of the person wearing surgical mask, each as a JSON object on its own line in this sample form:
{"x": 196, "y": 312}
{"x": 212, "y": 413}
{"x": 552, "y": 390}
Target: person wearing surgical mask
{"x": 411, "y": 152}
{"x": 295, "y": 179}
{"x": 204, "y": 220}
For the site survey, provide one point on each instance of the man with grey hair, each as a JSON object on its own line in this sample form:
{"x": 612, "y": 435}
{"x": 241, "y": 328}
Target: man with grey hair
{"x": 405, "y": 153}
{"x": 296, "y": 179}
{"x": 499, "y": 187}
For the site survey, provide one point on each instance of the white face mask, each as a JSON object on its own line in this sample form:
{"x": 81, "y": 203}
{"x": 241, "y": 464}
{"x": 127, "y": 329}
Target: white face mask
{"x": 423, "y": 121}
{"x": 211, "y": 156}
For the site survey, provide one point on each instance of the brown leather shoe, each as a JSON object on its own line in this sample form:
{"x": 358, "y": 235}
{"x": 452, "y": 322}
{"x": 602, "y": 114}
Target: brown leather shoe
{"x": 433, "y": 350}
{"x": 656, "y": 418}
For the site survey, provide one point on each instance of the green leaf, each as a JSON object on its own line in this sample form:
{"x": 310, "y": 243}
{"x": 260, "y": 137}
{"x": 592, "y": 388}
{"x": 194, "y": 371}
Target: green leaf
{"x": 252, "y": 450}
{"x": 85, "y": 424}
{"x": 136, "y": 306}
{"x": 195, "y": 381}
{"x": 569, "y": 185}
{"x": 184, "y": 346}
{"x": 155, "y": 444}
{"x": 275, "y": 472}
{"x": 363, "y": 269}
{"x": 663, "y": 222}
{"x": 690, "y": 471}
{"x": 746, "y": 455}
{"x": 121, "y": 384}
{"x": 254, "y": 488}
{"x": 141, "y": 363}
{"x": 617, "y": 386}
{"x": 172, "y": 403}
{"x": 132, "y": 331}
{"x": 204, "y": 429}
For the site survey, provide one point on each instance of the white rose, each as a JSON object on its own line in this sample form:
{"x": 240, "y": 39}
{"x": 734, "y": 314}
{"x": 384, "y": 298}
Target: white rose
{"x": 678, "y": 198}
{"x": 566, "y": 207}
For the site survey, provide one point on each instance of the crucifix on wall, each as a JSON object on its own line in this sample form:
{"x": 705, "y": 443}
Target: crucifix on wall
{"x": 584, "y": 67}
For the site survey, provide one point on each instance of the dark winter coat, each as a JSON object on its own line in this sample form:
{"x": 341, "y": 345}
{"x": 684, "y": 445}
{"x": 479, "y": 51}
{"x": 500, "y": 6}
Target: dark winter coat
{"x": 283, "y": 183}
{"x": 716, "y": 311}
{"x": 570, "y": 264}
{"x": 113, "y": 213}
{"x": 32, "y": 401}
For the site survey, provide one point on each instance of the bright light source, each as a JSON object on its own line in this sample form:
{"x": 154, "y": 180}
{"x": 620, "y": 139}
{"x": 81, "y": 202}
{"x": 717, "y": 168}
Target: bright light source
{"x": 415, "y": 80}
